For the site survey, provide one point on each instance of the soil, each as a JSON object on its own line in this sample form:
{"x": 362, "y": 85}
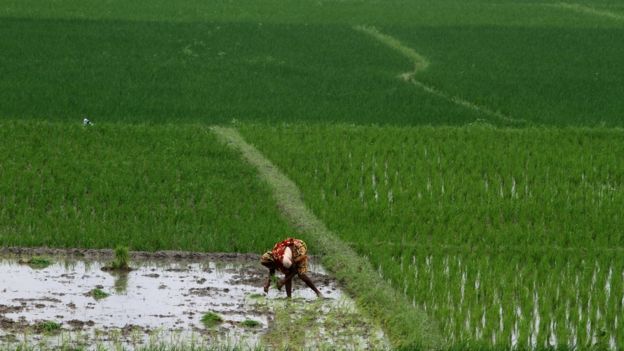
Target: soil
{"x": 167, "y": 293}
{"x": 134, "y": 255}
{"x": 79, "y": 325}
{"x": 10, "y": 309}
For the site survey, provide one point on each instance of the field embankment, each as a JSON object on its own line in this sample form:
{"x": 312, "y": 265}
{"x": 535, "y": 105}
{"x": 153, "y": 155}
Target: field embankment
{"x": 407, "y": 326}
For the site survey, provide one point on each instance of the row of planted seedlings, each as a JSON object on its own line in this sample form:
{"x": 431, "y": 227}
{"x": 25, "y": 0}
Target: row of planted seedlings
{"x": 535, "y": 199}
{"x": 540, "y": 187}
{"x": 488, "y": 190}
{"x": 514, "y": 298}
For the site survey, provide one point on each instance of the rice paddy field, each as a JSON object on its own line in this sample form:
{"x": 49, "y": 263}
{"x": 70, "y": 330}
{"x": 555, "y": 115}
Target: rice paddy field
{"x": 504, "y": 243}
{"x": 275, "y": 61}
{"x": 470, "y": 151}
{"x": 68, "y": 186}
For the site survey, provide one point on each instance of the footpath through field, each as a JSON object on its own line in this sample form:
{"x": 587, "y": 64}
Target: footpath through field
{"x": 421, "y": 64}
{"x": 407, "y": 326}
{"x": 588, "y": 10}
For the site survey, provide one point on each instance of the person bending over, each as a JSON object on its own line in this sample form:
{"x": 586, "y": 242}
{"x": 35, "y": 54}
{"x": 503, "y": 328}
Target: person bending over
{"x": 291, "y": 258}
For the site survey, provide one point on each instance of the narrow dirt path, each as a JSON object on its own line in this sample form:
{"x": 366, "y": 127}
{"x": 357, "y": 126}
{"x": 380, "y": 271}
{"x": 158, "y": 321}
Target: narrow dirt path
{"x": 420, "y": 64}
{"x": 407, "y": 326}
{"x": 589, "y": 10}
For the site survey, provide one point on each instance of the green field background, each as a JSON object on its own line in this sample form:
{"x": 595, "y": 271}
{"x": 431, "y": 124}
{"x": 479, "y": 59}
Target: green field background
{"x": 452, "y": 208}
{"x": 212, "y": 62}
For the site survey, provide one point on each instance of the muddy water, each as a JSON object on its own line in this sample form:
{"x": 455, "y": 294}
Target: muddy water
{"x": 163, "y": 301}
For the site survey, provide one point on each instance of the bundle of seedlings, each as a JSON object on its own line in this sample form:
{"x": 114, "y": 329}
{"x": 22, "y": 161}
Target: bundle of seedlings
{"x": 121, "y": 262}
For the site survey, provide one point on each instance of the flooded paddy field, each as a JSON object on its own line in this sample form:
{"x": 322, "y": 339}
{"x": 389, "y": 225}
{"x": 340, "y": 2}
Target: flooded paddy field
{"x": 74, "y": 302}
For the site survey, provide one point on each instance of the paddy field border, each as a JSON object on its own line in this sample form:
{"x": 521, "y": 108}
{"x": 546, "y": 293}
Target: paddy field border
{"x": 421, "y": 63}
{"x": 406, "y": 326}
{"x": 588, "y": 10}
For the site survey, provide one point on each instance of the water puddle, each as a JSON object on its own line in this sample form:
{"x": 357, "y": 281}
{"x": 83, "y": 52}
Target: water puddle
{"x": 164, "y": 300}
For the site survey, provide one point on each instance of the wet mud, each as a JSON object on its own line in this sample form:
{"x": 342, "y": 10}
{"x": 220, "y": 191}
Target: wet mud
{"x": 164, "y": 298}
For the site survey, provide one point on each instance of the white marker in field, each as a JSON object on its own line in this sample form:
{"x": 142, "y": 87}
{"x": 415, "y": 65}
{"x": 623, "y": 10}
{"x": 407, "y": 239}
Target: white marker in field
{"x": 86, "y": 122}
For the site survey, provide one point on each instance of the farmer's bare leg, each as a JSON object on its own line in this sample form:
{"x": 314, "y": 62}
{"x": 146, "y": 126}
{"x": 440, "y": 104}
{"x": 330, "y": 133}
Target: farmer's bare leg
{"x": 286, "y": 279}
{"x": 289, "y": 288}
{"x": 310, "y": 284}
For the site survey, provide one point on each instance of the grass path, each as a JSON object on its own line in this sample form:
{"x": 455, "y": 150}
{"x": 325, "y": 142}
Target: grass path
{"x": 420, "y": 64}
{"x": 589, "y": 10}
{"x": 406, "y": 326}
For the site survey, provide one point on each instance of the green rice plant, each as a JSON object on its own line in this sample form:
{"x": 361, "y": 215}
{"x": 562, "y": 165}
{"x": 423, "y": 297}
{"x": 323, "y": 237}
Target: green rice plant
{"x": 251, "y": 323}
{"x": 274, "y": 281}
{"x": 458, "y": 185}
{"x": 211, "y": 319}
{"x": 37, "y": 262}
{"x": 122, "y": 259}
{"x": 98, "y": 294}
{"x": 48, "y": 327}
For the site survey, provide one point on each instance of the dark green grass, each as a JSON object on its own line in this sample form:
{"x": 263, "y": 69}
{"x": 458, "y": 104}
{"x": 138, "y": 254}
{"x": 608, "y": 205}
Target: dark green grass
{"x": 273, "y": 61}
{"x": 353, "y": 12}
{"x": 553, "y": 76}
{"x": 146, "y": 187}
{"x": 206, "y": 72}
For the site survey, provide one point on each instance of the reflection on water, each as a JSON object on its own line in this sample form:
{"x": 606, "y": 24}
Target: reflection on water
{"x": 121, "y": 282}
{"x": 166, "y": 297}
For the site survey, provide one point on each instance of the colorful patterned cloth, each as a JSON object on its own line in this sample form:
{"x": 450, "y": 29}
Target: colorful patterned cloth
{"x": 299, "y": 251}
